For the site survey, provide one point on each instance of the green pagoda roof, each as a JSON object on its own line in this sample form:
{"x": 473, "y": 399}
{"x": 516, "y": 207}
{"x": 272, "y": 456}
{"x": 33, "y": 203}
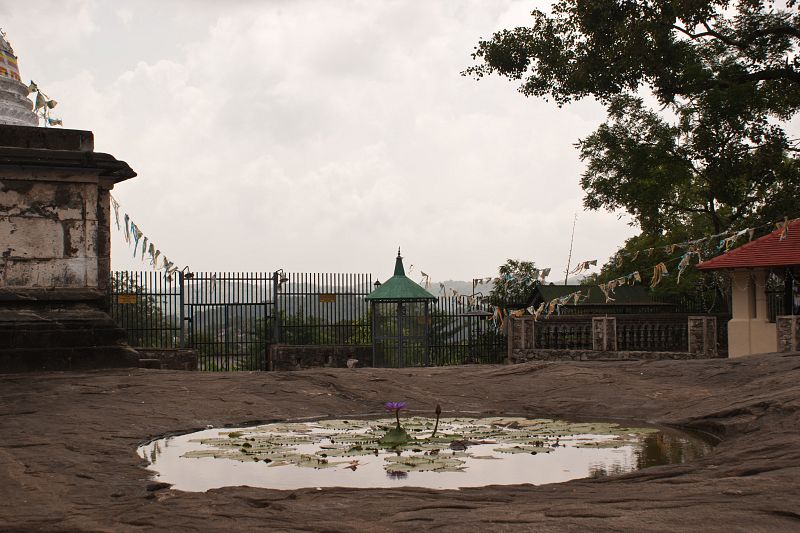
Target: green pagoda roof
{"x": 399, "y": 287}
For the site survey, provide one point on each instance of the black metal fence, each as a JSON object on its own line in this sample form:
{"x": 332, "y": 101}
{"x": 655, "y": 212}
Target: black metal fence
{"x": 231, "y": 318}
{"x": 464, "y": 332}
{"x": 777, "y": 305}
{"x": 149, "y": 306}
{"x": 323, "y": 309}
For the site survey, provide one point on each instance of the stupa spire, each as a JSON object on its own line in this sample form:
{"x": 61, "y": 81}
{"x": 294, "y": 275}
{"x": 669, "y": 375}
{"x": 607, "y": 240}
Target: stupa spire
{"x": 15, "y": 108}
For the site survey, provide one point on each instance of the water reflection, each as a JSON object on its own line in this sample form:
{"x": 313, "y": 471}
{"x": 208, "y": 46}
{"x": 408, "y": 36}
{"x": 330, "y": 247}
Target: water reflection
{"x": 669, "y": 448}
{"x": 467, "y": 453}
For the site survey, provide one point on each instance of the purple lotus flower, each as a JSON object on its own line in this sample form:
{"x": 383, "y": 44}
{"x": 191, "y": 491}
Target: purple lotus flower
{"x": 395, "y": 406}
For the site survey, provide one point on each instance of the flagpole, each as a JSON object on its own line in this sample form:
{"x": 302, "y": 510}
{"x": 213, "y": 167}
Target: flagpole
{"x": 571, "y": 240}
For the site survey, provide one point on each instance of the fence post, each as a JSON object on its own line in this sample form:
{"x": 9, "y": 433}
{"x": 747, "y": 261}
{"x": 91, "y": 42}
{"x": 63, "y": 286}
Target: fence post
{"x": 604, "y": 333}
{"x": 181, "y": 312}
{"x": 703, "y": 336}
{"x": 788, "y": 330}
{"x": 510, "y": 330}
{"x": 276, "y": 314}
{"x": 532, "y": 337}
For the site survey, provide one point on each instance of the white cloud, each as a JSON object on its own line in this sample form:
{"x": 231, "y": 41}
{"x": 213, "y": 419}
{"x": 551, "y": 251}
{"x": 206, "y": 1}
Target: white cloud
{"x": 319, "y": 136}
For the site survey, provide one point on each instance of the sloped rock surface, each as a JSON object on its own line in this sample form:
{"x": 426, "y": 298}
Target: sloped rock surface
{"x": 68, "y": 461}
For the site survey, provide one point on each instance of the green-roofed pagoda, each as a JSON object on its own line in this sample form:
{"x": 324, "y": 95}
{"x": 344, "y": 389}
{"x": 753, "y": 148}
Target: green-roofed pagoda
{"x": 400, "y": 287}
{"x": 400, "y": 311}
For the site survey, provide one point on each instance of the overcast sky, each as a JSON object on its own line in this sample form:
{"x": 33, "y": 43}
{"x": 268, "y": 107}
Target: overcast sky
{"x": 317, "y": 135}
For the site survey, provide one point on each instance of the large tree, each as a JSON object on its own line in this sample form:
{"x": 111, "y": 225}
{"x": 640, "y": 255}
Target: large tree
{"x": 680, "y": 48}
{"x": 710, "y": 169}
{"x": 726, "y": 74}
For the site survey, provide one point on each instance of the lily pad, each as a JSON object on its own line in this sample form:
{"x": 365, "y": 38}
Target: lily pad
{"x": 523, "y": 449}
{"x": 416, "y": 463}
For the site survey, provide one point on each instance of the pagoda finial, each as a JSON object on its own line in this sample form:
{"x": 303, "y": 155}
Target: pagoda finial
{"x": 398, "y": 265}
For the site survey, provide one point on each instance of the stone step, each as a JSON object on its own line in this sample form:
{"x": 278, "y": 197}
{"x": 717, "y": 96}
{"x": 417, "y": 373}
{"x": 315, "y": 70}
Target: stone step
{"x": 150, "y": 363}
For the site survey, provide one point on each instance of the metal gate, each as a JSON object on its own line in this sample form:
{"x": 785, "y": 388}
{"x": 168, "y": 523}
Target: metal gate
{"x": 463, "y": 332}
{"x": 230, "y": 318}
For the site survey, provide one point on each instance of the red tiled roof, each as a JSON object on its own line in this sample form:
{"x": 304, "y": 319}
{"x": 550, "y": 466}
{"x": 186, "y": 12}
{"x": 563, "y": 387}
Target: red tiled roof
{"x": 766, "y": 251}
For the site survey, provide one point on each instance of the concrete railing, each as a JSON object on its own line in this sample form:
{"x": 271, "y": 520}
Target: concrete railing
{"x": 694, "y": 336}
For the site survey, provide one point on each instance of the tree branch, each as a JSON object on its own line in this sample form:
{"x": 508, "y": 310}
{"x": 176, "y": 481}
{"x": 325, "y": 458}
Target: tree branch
{"x": 742, "y": 44}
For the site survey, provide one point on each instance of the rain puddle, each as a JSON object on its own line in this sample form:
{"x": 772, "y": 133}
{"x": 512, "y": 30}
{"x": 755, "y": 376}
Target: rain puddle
{"x": 464, "y": 452}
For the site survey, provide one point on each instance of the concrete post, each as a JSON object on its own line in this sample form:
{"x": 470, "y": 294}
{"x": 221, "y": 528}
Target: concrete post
{"x": 788, "y": 328}
{"x": 510, "y": 327}
{"x": 703, "y": 336}
{"x": 604, "y": 333}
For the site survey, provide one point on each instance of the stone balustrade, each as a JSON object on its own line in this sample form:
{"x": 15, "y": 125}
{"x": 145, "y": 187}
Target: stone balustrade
{"x": 612, "y": 337}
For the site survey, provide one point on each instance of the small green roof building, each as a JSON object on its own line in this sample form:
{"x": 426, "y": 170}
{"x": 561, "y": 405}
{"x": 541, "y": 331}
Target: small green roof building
{"x": 401, "y": 320}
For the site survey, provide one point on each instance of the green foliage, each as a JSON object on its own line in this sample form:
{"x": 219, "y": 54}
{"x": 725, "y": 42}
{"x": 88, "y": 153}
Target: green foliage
{"x": 679, "y": 49}
{"x": 706, "y": 290}
{"x": 716, "y": 168}
{"x": 515, "y": 285}
{"x": 300, "y": 328}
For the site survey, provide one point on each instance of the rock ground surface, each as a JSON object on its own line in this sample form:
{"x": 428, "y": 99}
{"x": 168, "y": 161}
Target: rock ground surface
{"x": 68, "y": 441}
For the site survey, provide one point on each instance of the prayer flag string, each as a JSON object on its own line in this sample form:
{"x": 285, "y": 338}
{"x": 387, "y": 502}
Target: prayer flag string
{"x": 132, "y": 232}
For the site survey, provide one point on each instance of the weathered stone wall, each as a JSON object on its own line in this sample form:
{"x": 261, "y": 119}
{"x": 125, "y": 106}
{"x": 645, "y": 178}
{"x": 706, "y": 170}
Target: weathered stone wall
{"x": 170, "y": 358}
{"x": 50, "y": 234}
{"x": 289, "y": 357}
{"x": 522, "y": 356}
{"x": 788, "y": 330}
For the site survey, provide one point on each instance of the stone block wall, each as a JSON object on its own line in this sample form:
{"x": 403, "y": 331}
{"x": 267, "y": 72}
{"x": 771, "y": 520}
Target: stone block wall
{"x": 788, "y": 330}
{"x": 60, "y": 337}
{"x": 170, "y": 358}
{"x": 51, "y": 235}
{"x": 289, "y": 357}
{"x": 522, "y": 356}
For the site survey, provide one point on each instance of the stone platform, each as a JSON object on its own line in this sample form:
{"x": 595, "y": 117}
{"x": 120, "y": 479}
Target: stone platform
{"x": 68, "y": 449}
{"x": 55, "y": 224}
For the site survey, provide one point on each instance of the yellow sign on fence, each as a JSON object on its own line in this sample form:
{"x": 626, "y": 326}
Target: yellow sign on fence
{"x": 126, "y": 299}
{"x": 327, "y": 298}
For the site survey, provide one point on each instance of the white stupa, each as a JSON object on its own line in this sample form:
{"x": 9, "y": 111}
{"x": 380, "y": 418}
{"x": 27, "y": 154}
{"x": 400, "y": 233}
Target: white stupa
{"x": 15, "y": 107}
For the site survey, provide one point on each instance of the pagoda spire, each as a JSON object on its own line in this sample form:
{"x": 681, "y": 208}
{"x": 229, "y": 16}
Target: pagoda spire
{"x": 15, "y": 108}
{"x": 399, "y": 270}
